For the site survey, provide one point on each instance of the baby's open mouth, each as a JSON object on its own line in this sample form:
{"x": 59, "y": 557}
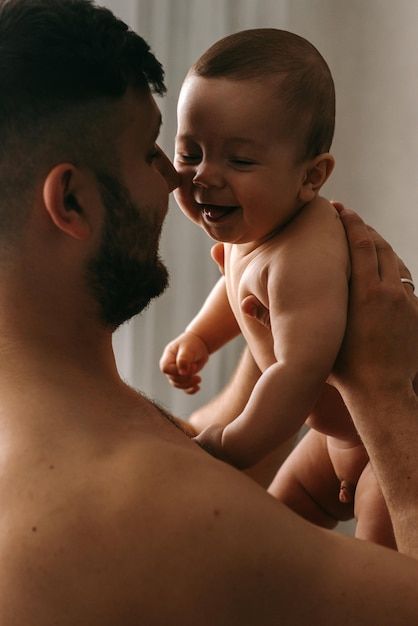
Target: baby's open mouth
{"x": 215, "y": 212}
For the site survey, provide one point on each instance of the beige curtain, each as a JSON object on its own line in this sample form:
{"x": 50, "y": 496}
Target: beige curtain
{"x": 371, "y": 47}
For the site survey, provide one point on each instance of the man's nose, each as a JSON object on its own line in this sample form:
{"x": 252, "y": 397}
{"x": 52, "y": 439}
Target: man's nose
{"x": 168, "y": 171}
{"x": 208, "y": 175}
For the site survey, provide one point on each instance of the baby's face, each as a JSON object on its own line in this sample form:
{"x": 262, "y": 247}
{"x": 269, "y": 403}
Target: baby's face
{"x": 240, "y": 177}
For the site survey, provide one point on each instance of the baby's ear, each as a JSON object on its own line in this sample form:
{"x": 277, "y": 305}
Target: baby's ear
{"x": 317, "y": 171}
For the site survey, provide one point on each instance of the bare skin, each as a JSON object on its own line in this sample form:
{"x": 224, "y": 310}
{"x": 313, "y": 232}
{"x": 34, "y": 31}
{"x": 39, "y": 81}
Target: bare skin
{"x": 284, "y": 246}
{"x": 304, "y": 483}
{"x": 229, "y": 403}
{"x": 74, "y": 529}
{"x": 111, "y": 515}
{"x": 282, "y": 243}
{"x": 368, "y": 356}
{"x": 305, "y": 479}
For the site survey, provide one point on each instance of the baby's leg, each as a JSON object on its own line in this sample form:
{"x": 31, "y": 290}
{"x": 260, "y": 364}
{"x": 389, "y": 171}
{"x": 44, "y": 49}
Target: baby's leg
{"x": 373, "y": 520}
{"x": 308, "y": 485}
{"x": 348, "y": 458}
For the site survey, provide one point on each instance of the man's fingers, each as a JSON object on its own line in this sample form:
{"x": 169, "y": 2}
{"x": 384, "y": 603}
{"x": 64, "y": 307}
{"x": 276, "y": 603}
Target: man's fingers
{"x": 364, "y": 259}
{"x": 252, "y": 307}
{"x": 391, "y": 267}
{"x": 403, "y": 270}
{"x": 338, "y": 205}
{"x": 218, "y": 255}
{"x": 388, "y": 261}
{"x": 373, "y": 260}
{"x": 405, "y": 273}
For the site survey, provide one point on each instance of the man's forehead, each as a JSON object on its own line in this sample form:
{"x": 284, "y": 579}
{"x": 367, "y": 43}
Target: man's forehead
{"x": 158, "y": 123}
{"x": 140, "y": 109}
{"x": 153, "y": 118}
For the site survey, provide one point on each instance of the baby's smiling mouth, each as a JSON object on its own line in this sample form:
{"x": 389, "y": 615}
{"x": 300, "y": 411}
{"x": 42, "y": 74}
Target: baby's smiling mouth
{"x": 216, "y": 212}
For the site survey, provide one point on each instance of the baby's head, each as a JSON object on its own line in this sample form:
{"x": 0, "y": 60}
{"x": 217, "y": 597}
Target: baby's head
{"x": 255, "y": 124}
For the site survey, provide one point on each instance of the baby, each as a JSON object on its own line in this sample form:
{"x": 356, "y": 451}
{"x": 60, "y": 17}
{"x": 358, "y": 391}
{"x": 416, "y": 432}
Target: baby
{"x": 255, "y": 125}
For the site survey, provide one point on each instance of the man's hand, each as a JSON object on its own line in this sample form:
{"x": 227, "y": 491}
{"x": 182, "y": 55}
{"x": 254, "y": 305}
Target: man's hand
{"x": 252, "y": 307}
{"x": 217, "y": 253}
{"x": 182, "y": 359}
{"x": 380, "y": 347}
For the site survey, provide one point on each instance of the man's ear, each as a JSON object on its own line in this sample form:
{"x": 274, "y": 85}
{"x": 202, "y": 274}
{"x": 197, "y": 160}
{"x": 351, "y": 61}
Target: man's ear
{"x": 64, "y": 196}
{"x": 317, "y": 171}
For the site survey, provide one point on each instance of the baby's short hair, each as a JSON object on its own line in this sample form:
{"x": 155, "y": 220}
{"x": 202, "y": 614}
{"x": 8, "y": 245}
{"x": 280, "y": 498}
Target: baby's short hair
{"x": 305, "y": 84}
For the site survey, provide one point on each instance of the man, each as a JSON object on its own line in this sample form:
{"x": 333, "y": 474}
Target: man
{"x": 111, "y": 515}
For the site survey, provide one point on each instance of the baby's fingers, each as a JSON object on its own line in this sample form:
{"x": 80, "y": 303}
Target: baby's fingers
{"x": 184, "y": 361}
{"x": 170, "y": 369}
{"x": 189, "y": 384}
{"x": 168, "y": 361}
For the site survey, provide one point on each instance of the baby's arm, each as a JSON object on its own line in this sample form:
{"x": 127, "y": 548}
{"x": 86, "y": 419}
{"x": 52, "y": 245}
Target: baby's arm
{"x": 213, "y": 326}
{"x": 307, "y": 293}
{"x": 228, "y": 404}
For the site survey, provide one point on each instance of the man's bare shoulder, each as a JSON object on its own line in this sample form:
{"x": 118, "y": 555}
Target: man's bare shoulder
{"x": 142, "y": 525}
{"x": 155, "y": 531}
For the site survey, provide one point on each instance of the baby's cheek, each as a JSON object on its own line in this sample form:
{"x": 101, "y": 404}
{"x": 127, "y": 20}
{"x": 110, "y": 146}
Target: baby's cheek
{"x": 183, "y": 197}
{"x": 186, "y": 203}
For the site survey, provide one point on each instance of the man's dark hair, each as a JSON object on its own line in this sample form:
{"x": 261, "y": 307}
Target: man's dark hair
{"x": 304, "y": 82}
{"x": 61, "y": 63}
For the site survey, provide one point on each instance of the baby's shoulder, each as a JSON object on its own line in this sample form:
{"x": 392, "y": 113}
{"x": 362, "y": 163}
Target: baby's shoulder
{"x": 314, "y": 239}
{"x": 316, "y": 225}
{"x": 319, "y": 216}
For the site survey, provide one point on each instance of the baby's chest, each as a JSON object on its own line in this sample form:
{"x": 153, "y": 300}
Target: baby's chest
{"x": 244, "y": 277}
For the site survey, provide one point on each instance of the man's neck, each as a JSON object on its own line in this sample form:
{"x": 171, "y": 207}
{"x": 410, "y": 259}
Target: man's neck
{"x": 51, "y": 319}
{"x": 87, "y": 350}
{"x": 60, "y": 385}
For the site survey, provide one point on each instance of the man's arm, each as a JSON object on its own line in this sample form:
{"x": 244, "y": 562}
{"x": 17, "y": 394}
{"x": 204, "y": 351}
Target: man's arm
{"x": 376, "y": 371}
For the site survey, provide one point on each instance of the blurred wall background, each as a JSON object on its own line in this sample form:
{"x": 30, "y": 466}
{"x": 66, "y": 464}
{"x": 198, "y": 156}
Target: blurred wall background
{"x": 371, "y": 47}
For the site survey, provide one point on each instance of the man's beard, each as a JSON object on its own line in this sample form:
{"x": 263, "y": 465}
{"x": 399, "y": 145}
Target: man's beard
{"x": 127, "y": 272}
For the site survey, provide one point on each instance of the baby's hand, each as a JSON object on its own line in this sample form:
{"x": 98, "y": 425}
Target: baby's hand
{"x": 210, "y": 439}
{"x": 182, "y": 359}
